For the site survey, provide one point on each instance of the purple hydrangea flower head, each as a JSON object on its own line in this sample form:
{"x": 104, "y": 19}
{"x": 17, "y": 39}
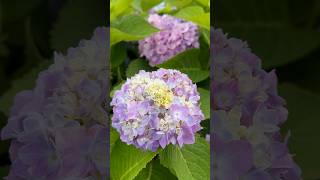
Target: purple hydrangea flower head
{"x": 58, "y": 128}
{"x": 175, "y": 36}
{"x": 247, "y": 115}
{"x": 154, "y": 109}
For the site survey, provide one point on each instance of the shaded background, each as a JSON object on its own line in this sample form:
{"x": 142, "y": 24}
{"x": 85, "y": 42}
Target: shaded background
{"x": 30, "y": 31}
{"x": 285, "y": 34}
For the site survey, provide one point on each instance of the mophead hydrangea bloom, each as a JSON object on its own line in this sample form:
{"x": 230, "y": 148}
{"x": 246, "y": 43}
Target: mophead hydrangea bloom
{"x": 154, "y": 109}
{"x": 58, "y": 129}
{"x": 247, "y": 115}
{"x": 175, "y": 36}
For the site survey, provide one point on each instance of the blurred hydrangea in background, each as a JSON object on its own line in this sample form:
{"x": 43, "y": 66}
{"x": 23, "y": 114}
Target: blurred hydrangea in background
{"x": 175, "y": 36}
{"x": 58, "y": 129}
{"x": 158, "y": 108}
{"x": 247, "y": 115}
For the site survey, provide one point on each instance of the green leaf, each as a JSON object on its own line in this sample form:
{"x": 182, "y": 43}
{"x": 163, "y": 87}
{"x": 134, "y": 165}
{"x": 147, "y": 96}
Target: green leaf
{"x": 195, "y": 14}
{"x": 303, "y": 123}
{"x": 205, "y": 102}
{"x": 117, "y": 36}
{"x": 190, "y": 12}
{"x": 205, "y": 33}
{"x": 204, "y": 55}
{"x": 26, "y": 82}
{"x": 77, "y": 20}
{"x": 114, "y": 136}
{"x": 136, "y": 65}
{"x": 148, "y": 4}
{"x": 130, "y": 28}
{"x": 117, "y": 7}
{"x": 178, "y": 3}
{"x": 134, "y": 24}
{"x": 205, "y": 3}
{"x": 155, "y": 171}
{"x": 118, "y": 54}
{"x": 116, "y": 87}
{"x": 196, "y": 75}
{"x": 127, "y": 161}
{"x": 185, "y": 60}
{"x": 192, "y": 162}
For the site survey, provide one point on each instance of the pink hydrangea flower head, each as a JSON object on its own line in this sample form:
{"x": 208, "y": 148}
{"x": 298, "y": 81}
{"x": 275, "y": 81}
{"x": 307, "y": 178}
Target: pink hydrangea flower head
{"x": 175, "y": 36}
{"x": 154, "y": 109}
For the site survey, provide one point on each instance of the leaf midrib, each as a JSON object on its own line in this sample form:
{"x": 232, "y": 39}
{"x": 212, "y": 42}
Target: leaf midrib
{"x": 185, "y": 161}
{"x": 133, "y": 167}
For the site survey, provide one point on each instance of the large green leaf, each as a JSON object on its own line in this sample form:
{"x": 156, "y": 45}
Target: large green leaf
{"x": 127, "y": 161}
{"x": 195, "y": 14}
{"x": 205, "y": 34}
{"x": 148, "y": 4}
{"x": 185, "y": 60}
{"x": 188, "y": 63}
{"x": 178, "y": 3}
{"x": 205, "y": 102}
{"x": 205, "y": 3}
{"x": 114, "y": 136}
{"x": 192, "y": 162}
{"x": 196, "y": 75}
{"x": 130, "y": 28}
{"x": 136, "y": 65}
{"x": 118, "y": 7}
{"x": 118, "y": 54}
{"x": 77, "y": 20}
{"x": 303, "y": 123}
{"x": 204, "y": 55}
{"x": 155, "y": 171}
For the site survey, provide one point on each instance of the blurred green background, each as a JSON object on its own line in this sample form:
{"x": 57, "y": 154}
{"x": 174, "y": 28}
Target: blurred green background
{"x": 285, "y": 34}
{"x": 30, "y": 31}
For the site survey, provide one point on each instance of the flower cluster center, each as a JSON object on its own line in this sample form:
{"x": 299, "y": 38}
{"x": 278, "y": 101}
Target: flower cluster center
{"x": 160, "y": 93}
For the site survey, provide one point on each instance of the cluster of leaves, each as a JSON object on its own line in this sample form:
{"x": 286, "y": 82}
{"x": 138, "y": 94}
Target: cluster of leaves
{"x": 129, "y": 24}
{"x": 285, "y": 35}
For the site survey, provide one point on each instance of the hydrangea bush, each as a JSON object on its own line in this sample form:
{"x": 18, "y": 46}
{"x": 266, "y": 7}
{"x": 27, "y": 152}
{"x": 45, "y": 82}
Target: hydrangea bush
{"x": 160, "y": 90}
{"x": 58, "y": 130}
{"x": 247, "y": 115}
